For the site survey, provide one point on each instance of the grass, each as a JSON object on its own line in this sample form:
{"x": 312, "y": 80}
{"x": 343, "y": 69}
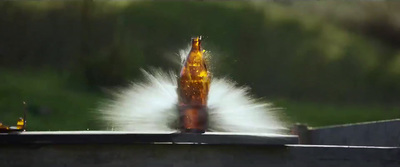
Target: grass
{"x": 55, "y": 105}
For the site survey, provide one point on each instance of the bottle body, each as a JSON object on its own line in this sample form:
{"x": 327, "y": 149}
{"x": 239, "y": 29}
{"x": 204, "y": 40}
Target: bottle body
{"x": 193, "y": 88}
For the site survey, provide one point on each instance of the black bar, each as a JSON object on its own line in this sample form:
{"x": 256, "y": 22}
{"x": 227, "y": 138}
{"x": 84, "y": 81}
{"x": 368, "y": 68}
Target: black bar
{"x": 105, "y": 137}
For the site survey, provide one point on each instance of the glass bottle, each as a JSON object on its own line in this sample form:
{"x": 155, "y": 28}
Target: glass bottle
{"x": 193, "y": 86}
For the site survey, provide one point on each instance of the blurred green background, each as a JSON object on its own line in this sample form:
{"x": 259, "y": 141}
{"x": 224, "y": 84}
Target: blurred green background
{"x": 324, "y": 63}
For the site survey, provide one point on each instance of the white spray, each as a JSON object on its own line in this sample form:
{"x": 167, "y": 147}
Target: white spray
{"x": 150, "y": 106}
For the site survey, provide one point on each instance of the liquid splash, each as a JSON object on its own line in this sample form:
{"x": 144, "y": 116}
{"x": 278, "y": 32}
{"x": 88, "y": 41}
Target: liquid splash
{"x": 151, "y": 106}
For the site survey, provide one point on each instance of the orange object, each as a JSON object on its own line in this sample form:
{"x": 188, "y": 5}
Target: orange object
{"x": 21, "y": 123}
{"x": 3, "y": 127}
{"x": 7, "y": 129}
{"x": 193, "y": 88}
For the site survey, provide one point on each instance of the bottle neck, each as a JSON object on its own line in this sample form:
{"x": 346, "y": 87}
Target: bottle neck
{"x": 196, "y": 44}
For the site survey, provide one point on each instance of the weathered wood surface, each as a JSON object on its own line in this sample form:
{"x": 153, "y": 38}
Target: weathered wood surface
{"x": 379, "y": 133}
{"x": 107, "y": 148}
{"x": 115, "y": 137}
{"x": 196, "y": 155}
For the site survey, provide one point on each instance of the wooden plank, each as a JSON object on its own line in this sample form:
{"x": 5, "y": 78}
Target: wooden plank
{"x": 120, "y": 155}
{"x": 378, "y": 133}
{"x": 114, "y": 137}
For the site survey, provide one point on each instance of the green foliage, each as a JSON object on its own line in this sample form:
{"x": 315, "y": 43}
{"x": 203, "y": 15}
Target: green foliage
{"x": 52, "y": 104}
{"x": 278, "y": 51}
{"x": 285, "y": 54}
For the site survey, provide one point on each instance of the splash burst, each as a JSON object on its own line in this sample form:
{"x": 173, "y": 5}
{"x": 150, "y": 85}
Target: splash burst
{"x": 152, "y": 106}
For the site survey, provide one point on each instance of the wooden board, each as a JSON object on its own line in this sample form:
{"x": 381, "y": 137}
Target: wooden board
{"x": 117, "y": 137}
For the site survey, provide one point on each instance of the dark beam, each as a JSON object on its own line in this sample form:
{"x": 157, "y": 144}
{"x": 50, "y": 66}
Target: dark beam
{"x": 113, "y": 137}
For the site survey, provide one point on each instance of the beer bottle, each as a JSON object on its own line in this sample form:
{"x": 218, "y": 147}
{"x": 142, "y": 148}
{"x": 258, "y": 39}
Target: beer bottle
{"x": 193, "y": 86}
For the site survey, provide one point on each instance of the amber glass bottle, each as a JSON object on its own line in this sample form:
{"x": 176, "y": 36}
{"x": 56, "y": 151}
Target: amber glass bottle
{"x": 193, "y": 86}
{"x": 21, "y": 124}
